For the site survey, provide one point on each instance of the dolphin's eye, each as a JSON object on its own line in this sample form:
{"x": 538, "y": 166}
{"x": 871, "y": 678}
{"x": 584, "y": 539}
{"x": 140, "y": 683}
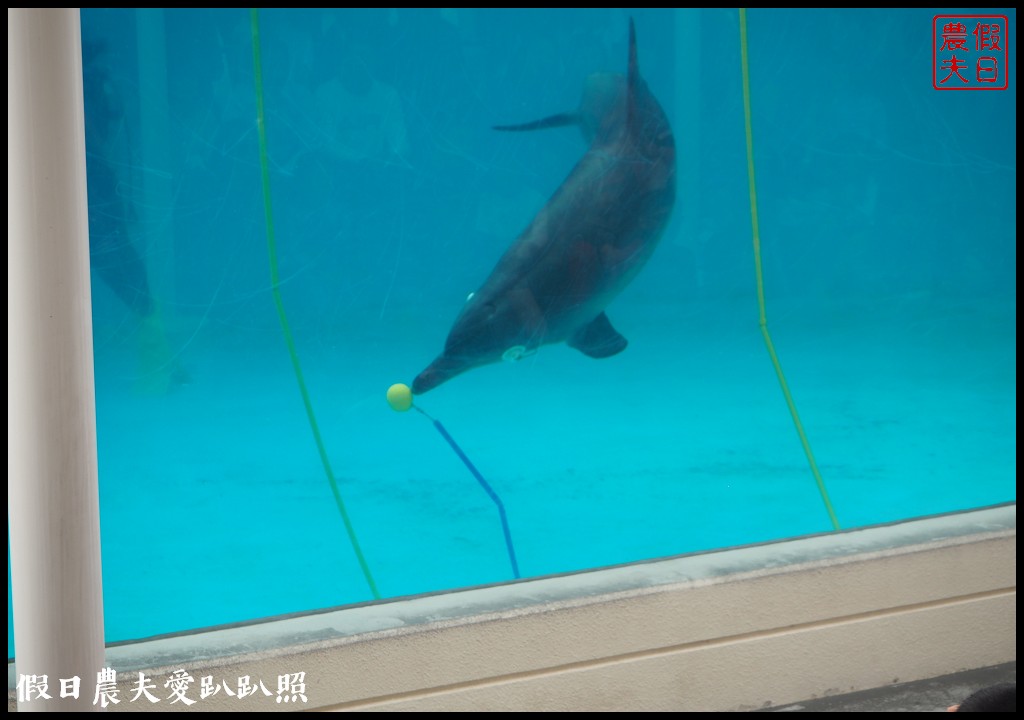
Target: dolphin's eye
{"x": 489, "y": 310}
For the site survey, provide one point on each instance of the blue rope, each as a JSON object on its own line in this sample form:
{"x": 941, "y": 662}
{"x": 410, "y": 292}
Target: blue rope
{"x": 487, "y": 488}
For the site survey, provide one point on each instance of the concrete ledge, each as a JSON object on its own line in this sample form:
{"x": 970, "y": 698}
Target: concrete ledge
{"x": 732, "y": 630}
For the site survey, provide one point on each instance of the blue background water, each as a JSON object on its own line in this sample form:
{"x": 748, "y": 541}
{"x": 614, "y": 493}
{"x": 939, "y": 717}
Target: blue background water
{"x": 888, "y": 228}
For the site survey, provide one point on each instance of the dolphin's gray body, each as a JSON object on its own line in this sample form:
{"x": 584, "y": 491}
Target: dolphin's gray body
{"x": 584, "y": 246}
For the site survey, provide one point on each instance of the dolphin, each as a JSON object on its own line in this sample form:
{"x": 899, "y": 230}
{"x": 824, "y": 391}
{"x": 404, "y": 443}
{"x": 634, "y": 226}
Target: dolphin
{"x": 585, "y": 245}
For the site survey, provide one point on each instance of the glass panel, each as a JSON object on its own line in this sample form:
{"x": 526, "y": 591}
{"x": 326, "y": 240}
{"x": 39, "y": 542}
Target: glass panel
{"x": 887, "y": 220}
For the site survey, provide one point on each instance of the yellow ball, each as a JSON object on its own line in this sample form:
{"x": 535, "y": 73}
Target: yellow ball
{"x": 400, "y": 397}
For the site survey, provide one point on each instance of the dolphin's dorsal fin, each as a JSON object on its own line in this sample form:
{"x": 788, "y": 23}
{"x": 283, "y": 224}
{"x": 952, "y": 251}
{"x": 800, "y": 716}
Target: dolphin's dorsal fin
{"x": 598, "y": 339}
{"x": 560, "y": 120}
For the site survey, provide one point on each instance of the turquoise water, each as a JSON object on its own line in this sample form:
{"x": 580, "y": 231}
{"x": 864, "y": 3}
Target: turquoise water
{"x": 888, "y": 229}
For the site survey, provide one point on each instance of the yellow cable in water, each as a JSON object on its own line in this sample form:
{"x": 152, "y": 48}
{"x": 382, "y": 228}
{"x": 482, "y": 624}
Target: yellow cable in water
{"x": 763, "y": 320}
{"x": 275, "y": 287}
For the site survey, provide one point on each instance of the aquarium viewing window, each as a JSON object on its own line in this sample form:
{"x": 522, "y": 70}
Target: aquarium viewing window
{"x": 289, "y": 210}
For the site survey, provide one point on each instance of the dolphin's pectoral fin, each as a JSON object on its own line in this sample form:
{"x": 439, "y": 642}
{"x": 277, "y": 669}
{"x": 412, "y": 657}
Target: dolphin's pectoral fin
{"x": 560, "y": 120}
{"x": 598, "y": 339}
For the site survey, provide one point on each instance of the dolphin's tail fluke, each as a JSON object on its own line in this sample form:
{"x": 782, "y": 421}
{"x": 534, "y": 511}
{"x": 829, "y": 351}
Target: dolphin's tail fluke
{"x": 560, "y": 120}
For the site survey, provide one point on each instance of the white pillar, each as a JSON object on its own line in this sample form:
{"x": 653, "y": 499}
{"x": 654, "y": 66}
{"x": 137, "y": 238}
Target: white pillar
{"x": 52, "y": 492}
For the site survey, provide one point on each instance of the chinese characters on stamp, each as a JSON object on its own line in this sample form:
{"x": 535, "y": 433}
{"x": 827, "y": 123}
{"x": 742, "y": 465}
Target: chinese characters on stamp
{"x": 970, "y": 52}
